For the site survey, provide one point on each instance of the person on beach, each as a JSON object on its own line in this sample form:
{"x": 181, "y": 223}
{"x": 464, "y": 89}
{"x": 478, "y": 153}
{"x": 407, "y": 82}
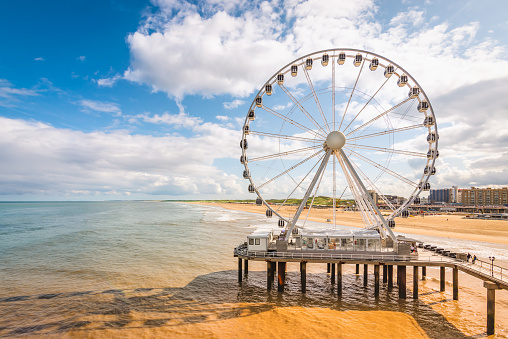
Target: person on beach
{"x": 468, "y": 256}
{"x": 474, "y": 258}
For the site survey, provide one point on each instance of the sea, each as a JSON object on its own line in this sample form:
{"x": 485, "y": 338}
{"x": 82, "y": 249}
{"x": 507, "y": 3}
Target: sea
{"x": 157, "y": 269}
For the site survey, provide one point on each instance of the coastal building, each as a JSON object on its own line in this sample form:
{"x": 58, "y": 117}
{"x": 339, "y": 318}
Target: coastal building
{"x": 484, "y": 196}
{"x": 440, "y": 195}
{"x": 393, "y": 199}
{"x": 444, "y": 195}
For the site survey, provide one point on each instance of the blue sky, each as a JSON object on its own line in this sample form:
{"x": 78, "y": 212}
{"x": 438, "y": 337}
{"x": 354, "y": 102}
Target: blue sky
{"x": 146, "y": 99}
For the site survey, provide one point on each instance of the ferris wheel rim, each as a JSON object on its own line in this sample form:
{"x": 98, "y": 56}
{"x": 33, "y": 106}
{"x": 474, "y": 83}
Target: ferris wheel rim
{"x": 300, "y": 61}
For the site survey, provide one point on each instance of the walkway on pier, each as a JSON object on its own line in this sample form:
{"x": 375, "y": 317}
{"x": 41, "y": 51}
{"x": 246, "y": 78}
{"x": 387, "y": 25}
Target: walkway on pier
{"x": 482, "y": 270}
{"x": 495, "y": 277}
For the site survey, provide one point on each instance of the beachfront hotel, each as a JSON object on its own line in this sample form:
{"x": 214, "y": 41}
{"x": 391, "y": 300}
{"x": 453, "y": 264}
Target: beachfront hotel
{"x": 483, "y": 196}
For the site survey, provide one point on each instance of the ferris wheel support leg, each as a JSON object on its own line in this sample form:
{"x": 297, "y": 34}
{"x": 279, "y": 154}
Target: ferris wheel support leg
{"x": 366, "y": 194}
{"x": 307, "y": 194}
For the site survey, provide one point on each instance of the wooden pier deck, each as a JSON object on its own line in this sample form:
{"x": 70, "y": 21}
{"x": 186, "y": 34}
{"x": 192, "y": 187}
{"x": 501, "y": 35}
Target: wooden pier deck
{"x": 495, "y": 277}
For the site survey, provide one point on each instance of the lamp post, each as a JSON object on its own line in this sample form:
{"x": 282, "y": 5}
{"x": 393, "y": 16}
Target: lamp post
{"x": 492, "y": 265}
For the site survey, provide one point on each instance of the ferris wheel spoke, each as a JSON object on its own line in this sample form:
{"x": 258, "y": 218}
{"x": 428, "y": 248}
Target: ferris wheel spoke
{"x": 394, "y": 130}
{"x": 389, "y": 150}
{"x": 352, "y": 92}
{"x": 276, "y": 155}
{"x": 379, "y": 116}
{"x": 301, "y": 182}
{"x": 333, "y": 95}
{"x": 356, "y": 196}
{"x": 375, "y": 188}
{"x": 314, "y": 195}
{"x": 383, "y": 168}
{"x": 286, "y": 137}
{"x": 299, "y": 105}
{"x": 375, "y": 214}
{"x": 370, "y": 99}
{"x": 292, "y": 122}
{"x": 334, "y": 169}
{"x": 309, "y": 81}
{"x": 289, "y": 169}
{"x": 319, "y": 171}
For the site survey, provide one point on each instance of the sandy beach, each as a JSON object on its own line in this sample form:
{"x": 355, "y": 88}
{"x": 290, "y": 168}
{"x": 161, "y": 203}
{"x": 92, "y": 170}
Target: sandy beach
{"x": 445, "y": 225}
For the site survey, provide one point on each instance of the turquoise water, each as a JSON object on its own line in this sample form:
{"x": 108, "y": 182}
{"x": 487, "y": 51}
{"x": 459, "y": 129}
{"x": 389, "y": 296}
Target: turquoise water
{"x": 98, "y": 245}
{"x": 85, "y": 268}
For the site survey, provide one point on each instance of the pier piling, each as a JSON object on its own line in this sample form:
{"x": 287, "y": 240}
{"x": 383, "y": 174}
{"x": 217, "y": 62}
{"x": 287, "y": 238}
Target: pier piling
{"x": 491, "y": 305}
{"x": 246, "y": 267}
{"x": 357, "y": 268}
{"x": 415, "y": 282}
{"x": 303, "y": 275}
{"x": 270, "y": 275}
{"x": 328, "y": 268}
{"x": 281, "y": 276}
{"x": 424, "y": 272}
{"x": 455, "y": 283}
{"x": 365, "y": 274}
{"x": 385, "y": 274}
{"x": 401, "y": 278}
{"x": 376, "y": 280}
{"x": 339, "y": 279}
{"x": 239, "y": 270}
{"x": 332, "y": 273}
{"x": 442, "y": 279}
{"x": 390, "y": 277}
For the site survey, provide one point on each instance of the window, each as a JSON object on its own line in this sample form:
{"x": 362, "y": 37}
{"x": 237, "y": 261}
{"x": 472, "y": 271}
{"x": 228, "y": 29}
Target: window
{"x": 251, "y": 241}
{"x": 257, "y": 242}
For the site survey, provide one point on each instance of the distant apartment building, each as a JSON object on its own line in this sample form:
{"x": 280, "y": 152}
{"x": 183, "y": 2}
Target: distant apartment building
{"x": 444, "y": 195}
{"x": 440, "y": 195}
{"x": 393, "y": 199}
{"x": 484, "y": 196}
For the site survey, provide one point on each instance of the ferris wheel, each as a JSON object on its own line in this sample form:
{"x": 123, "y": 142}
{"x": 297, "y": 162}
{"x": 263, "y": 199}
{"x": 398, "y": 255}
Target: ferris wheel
{"x": 341, "y": 124}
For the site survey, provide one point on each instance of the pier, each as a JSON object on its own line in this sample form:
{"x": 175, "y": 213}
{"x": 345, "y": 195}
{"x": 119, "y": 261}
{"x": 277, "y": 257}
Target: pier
{"x": 494, "y": 277}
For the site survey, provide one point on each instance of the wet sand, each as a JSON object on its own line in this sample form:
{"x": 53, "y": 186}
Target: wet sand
{"x": 445, "y": 225}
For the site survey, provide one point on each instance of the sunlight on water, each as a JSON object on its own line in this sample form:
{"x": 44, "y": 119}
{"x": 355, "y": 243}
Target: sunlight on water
{"x": 141, "y": 269}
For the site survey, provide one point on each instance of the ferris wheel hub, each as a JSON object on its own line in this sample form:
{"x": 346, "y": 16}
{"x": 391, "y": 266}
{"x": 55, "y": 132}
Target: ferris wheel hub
{"x": 335, "y": 140}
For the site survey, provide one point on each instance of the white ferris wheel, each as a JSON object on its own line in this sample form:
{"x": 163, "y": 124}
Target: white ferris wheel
{"x": 344, "y": 124}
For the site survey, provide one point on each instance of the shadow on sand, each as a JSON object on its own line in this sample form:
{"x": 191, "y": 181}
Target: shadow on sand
{"x": 210, "y": 297}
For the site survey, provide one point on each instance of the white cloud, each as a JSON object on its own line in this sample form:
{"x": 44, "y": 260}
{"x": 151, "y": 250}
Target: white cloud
{"x": 39, "y": 59}
{"x": 100, "y": 106}
{"x": 81, "y": 58}
{"x": 244, "y": 48}
{"x": 10, "y": 94}
{"x": 222, "y": 117}
{"x": 108, "y": 82}
{"x": 282, "y": 107}
{"x": 412, "y": 17}
{"x": 177, "y": 120}
{"x": 233, "y": 104}
{"x": 36, "y": 158}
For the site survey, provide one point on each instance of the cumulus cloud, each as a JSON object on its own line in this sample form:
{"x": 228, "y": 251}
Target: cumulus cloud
{"x": 233, "y": 47}
{"x": 9, "y": 93}
{"x": 37, "y": 158}
{"x": 244, "y": 48}
{"x": 39, "y": 59}
{"x": 233, "y": 104}
{"x": 108, "y": 82}
{"x": 81, "y": 58}
{"x": 100, "y": 106}
{"x": 180, "y": 120}
{"x": 222, "y": 117}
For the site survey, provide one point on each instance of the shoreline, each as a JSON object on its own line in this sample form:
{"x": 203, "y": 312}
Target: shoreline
{"x": 444, "y": 225}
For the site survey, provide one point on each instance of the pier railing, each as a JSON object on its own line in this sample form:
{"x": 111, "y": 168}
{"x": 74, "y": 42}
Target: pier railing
{"x": 320, "y": 256}
{"x": 483, "y": 268}
{"x": 488, "y": 269}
